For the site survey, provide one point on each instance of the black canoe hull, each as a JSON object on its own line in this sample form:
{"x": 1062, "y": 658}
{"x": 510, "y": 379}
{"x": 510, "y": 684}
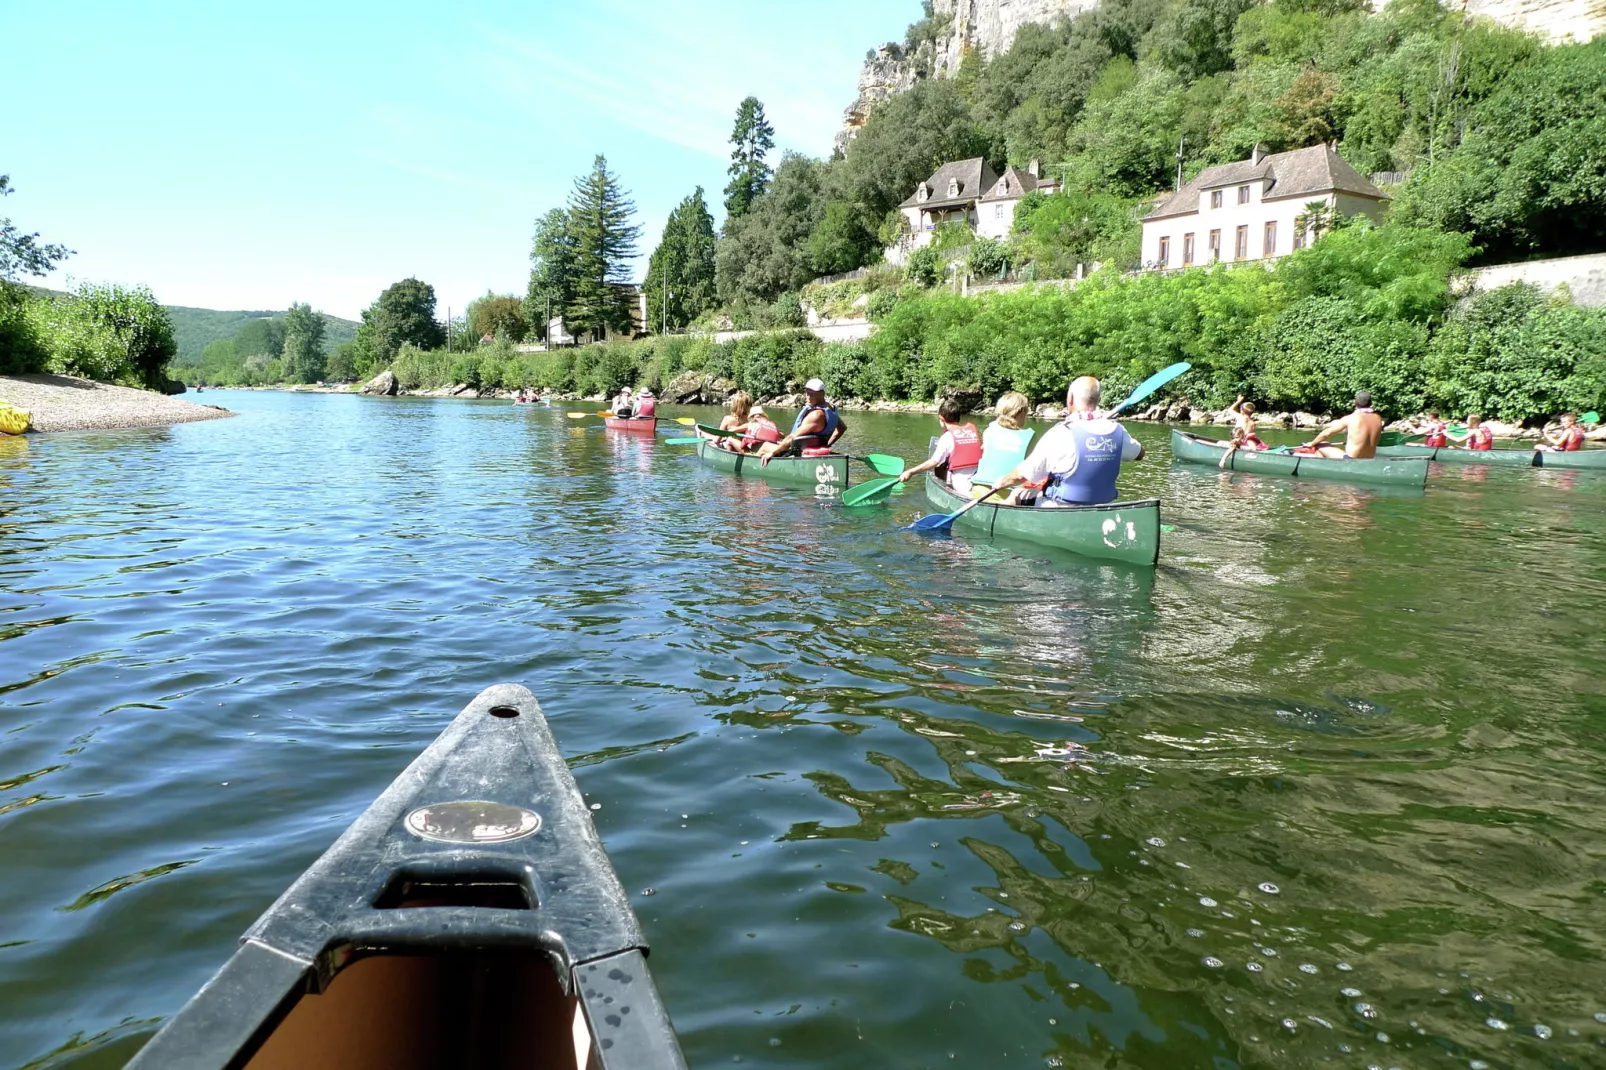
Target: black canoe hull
{"x": 490, "y": 934}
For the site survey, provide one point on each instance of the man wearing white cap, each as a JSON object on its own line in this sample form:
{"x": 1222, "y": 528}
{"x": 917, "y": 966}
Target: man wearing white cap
{"x": 818, "y": 426}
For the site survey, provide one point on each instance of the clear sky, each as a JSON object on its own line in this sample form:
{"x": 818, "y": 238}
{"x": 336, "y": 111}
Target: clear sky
{"x": 244, "y": 156}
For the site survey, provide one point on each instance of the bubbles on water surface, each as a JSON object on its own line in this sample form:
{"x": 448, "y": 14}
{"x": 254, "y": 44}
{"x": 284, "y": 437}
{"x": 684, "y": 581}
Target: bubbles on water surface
{"x": 1206, "y": 901}
{"x": 1496, "y": 1024}
{"x": 1307, "y": 967}
{"x": 1212, "y": 962}
{"x": 1350, "y": 993}
{"x": 1346, "y": 967}
{"x": 1365, "y": 1010}
{"x": 1543, "y": 1032}
{"x": 1268, "y": 887}
{"x": 1254, "y": 967}
{"x": 1155, "y": 841}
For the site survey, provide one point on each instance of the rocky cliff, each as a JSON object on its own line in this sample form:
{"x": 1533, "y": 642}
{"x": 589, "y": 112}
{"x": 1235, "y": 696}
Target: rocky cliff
{"x": 988, "y": 27}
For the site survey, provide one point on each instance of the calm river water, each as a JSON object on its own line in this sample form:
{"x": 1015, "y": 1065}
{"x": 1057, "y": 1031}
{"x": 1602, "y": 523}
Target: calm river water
{"x": 1324, "y": 789}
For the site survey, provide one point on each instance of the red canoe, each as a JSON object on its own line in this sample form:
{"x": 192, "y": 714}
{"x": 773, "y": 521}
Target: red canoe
{"x": 649, "y": 424}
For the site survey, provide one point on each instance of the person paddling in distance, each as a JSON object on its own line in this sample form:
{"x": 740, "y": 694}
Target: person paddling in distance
{"x": 1004, "y": 443}
{"x": 1565, "y": 439}
{"x": 1077, "y": 461}
{"x": 1361, "y": 429}
{"x": 1436, "y": 433}
{"x": 1478, "y": 436}
{"x": 623, "y": 405}
{"x": 818, "y": 426}
{"x": 958, "y": 451}
{"x": 646, "y": 405}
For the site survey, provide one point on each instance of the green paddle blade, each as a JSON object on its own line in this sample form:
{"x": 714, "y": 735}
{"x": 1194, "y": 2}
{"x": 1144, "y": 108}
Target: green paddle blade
{"x": 1390, "y": 438}
{"x": 869, "y": 493}
{"x": 1589, "y": 419}
{"x": 717, "y": 433}
{"x": 681, "y": 441}
{"x": 885, "y": 464}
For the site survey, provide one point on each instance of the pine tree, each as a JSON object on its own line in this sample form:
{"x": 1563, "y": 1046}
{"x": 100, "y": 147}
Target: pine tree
{"x": 750, "y": 175}
{"x": 604, "y": 241}
{"x": 683, "y": 264}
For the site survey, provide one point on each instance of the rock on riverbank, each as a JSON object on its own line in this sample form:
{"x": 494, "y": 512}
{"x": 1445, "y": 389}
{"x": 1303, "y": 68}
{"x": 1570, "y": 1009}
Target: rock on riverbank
{"x": 67, "y": 403}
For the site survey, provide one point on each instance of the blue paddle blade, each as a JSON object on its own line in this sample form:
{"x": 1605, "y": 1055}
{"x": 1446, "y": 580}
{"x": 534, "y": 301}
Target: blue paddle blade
{"x": 933, "y": 525}
{"x": 1153, "y": 383}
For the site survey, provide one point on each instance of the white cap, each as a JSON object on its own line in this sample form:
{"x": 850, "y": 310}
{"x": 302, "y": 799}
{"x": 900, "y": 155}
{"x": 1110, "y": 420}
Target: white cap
{"x": 814, "y": 384}
{"x": 756, "y": 410}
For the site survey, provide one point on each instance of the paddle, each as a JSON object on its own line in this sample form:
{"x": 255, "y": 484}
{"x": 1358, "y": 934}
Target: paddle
{"x": 1589, "y": 419}
{"x": 686, "y": 420}
{"x": 716, "y": 432}
{"x": 871, "y": 492}
{"x": 933, "y": 525}
{"x": 884, "y": 463}
{"x": 681, "y": 441}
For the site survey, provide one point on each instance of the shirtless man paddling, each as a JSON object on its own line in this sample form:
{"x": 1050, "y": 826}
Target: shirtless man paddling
{"x": 1361, "y": 428}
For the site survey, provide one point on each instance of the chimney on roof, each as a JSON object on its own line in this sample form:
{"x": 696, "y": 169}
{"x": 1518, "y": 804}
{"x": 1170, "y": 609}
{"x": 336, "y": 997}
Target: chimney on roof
{"x": 1259, "y": 153}
{"x": 1034, "y": 169}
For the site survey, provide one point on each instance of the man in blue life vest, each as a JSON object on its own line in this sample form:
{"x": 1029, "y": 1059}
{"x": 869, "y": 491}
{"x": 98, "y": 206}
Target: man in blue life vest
{"x": 818, "y": 426}
{"x": 1076, "y": 462}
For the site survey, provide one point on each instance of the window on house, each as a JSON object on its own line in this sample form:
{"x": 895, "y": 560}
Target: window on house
{"x": 1243, "y": 194}
{"x": 1240, "y": 249}
{"x": 998, "y": 212}
{"x": 1187, "y": 250}
{"x": 1215, "y": 198}
{"x": 953, "y": 187}
{"x": 1165, "y": 252}
{"x": 1271, "y": 239}
{"x": 1215, "y": 245}
{"x": 1299, "y": 237}
{"x": 922, "y": 193}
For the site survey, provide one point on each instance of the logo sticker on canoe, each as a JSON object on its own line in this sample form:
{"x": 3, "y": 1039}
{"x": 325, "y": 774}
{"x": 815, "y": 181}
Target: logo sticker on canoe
{"x": 1113, "y": 527}
{"x": 468, "y": 821}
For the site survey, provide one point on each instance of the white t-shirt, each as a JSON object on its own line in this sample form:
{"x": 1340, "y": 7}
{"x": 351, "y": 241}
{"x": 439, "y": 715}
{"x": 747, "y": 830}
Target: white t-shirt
{"x": 960, "y": 481}
{"x": 1056, "y": 451}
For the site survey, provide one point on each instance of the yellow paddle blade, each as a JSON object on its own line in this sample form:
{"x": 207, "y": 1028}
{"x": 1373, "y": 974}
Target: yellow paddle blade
{"x": 686, "y": 420}
{"x": 578, "y": 415}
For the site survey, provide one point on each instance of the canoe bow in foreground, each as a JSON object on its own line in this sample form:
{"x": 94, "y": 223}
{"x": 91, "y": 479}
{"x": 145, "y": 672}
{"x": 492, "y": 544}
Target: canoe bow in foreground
{"x": 827, "y": 475}
{"x": 1388, "y": 471}
{"x": 468, "y": 918}
{"x": 1119, "y": 531}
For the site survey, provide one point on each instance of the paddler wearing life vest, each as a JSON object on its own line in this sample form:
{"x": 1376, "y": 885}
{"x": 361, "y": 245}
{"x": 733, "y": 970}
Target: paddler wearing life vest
{"x": 1004, "y": 443}
{"x": 646, "y": 404}
{"x": 1437, "y": 432}
{"x": 622, "y": 406}
{"x": 1478, "y": 437}
{"x": 958, "y": 450}
{"x": 1565, "y": 439}
{"x": 1077, "y": 461}
{"x": 817, "y": 427}
{"x": 1361, "y": 429}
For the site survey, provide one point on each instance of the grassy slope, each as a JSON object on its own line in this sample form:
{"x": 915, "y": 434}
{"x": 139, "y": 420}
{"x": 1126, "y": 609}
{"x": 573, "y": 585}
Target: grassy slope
{"x": 195, "y": 328}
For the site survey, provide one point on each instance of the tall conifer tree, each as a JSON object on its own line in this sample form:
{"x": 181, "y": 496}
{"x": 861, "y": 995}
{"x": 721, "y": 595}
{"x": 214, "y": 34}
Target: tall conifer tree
{"x": 750, "y": 175}
{"x": 604, "y": 241}
{"x": 683, "y": 264}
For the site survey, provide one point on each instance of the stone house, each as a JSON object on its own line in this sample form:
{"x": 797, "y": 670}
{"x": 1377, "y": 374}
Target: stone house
{"x": 967, "y": 192}
{"x": 1254, "y": 209}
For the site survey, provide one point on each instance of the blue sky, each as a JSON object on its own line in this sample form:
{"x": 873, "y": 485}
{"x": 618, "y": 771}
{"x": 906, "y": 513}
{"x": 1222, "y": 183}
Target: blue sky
{"x": 249, "y": 155}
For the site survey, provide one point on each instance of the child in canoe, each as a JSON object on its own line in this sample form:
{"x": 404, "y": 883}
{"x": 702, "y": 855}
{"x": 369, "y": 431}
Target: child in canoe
{"x": 1478, "y": 436}
{"x": 1004, "y": 444}
{"x": 1565, "y": 439}
{"x": 958, "y": 451}
{"x": 1243, "y": 413}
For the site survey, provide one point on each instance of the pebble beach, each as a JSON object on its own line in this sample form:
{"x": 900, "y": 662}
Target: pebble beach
{"x": 67, "y": 403}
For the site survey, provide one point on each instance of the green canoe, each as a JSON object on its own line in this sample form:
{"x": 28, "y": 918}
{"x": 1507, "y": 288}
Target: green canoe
{"x": 1120, "y": 531}
{"x": 1529, "y": 458}
{"x": 1393, "y": 470}
{"x": 827, "y": 475}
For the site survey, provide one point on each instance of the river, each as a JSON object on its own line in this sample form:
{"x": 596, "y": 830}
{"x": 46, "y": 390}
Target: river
{"x": 1325, "y": 788}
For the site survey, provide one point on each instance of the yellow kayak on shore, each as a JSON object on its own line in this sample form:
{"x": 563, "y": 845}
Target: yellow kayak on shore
{"x": 13, "y": 421}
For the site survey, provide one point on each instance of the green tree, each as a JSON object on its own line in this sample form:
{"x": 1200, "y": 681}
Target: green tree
{"x": 499, "y": 315}
{"x": 841, "y": 242}
{"x": 23, "y": 254}
{"x": 260, "y": 337}
{"x": 21, "y": 347}
{"x": 128, "y": 332}
{"x": 303, "y": 344}
{"x": 683, "y": 264}
{"x": 403, "y": 315}
{"x": 604, "y": 239}
{"x": 552, "y": 268}
{"x": 753, "y": 137}
{"x": 765, "y": 253}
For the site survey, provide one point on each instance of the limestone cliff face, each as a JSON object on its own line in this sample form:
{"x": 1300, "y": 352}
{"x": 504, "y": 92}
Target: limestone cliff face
{"x": 988, "y": 27}
{"x": 884, "y": 74}
{"x": 1557, "y": 20}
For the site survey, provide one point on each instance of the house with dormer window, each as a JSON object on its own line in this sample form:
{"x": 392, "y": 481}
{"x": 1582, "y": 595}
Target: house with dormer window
{"x": 968, "y": 192}
{"x": 1256, "y": 209}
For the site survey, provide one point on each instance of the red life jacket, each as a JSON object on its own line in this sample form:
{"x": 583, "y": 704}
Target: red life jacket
{"x": 966, "y": 453}
{"x": 1252, "y": 441}
{"x": 1572, "y": 439}
{"x": 759, "y": 431}
{"x": 1436, "y": 436}
{"x": 646, "y": 407}
{"x": 1480, "y": 438}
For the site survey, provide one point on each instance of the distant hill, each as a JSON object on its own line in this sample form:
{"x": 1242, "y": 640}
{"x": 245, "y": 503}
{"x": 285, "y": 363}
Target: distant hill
{"x": 195, "y": 328}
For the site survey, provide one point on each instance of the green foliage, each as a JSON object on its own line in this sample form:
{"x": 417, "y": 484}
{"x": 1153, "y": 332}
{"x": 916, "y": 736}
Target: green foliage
{"x": 404, "y": 314}
{"x": 24, "y": 254}
{"x": 842, "y": 241}
{"x": 987, "y": 259}
{"x": 765, "y": 252}
{"x": 106, "y": 332}
{"x": 499, "y": 315}
{"x": 683, "y": 264}
{"x": 1058, "y": 232}
{"x": 303, "y": 345}
{"x": 196, "y": 328}
{"x": 552, "y": 268}
{"x": 22, "y": 347}
{"x": 604, "y": 242}
{"x": 752, "y": 138}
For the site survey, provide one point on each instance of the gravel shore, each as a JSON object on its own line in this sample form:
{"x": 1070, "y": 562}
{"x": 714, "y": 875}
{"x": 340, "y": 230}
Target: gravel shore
{"x": 67, "y": 403}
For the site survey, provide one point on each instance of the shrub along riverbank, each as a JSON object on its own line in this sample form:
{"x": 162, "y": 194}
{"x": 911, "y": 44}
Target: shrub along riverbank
{"x": 1367, "y": 307}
